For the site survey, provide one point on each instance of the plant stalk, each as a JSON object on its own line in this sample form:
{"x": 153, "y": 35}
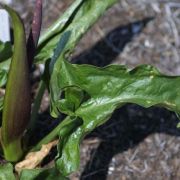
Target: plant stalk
{"x": 65, "y": 127}
{"x": 35, "y": 108}
{"x": 17, "y": 104}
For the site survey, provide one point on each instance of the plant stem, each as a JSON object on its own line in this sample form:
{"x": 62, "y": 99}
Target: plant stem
{"x": 51, "y": 136}
{"x": 14, "y": 151}
{"x": 64, "y": 129}
{"x": 35, "y": 108}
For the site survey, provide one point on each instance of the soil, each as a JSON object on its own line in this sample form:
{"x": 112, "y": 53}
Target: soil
{"x": 136, "y": 143}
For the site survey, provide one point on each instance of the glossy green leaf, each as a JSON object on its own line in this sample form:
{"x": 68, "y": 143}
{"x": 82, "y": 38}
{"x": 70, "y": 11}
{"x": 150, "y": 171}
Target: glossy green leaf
{"x": 6, "y": 172}
{"x": 4, "y": 68}
{"x": 5, "y": 51}
{"x": 80, "y": 16}
{"x": 17, "y": 104}
{"x": 42, "y": 174}
{"x": 101, "y": 91}
{"x": 5, "y": 55}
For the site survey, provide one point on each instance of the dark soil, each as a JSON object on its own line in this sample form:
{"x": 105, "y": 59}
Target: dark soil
{"x": 136, "y": 143}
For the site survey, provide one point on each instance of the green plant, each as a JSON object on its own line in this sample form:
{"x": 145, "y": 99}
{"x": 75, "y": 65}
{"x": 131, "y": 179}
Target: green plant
{"x": 87, "y": 95}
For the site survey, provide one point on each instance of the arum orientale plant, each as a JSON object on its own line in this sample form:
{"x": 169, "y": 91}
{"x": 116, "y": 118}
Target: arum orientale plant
{"x": 85, "y": 94}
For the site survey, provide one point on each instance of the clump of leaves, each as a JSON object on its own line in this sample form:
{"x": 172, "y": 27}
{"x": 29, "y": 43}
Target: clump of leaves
{"x": 87, "y": 95}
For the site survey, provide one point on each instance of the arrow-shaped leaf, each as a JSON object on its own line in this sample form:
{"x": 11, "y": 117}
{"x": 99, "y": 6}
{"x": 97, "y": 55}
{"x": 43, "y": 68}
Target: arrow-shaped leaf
{"x": 78, "y": 18}
{"x": 102, "y": 91}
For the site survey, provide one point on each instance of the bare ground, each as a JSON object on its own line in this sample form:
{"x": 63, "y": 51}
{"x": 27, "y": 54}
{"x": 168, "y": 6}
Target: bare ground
{"x": 136, "y": 143}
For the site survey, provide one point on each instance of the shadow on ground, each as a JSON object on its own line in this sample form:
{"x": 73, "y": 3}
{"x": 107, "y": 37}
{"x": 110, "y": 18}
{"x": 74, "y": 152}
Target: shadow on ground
{"x": 108, "y": 48}
{"x": 127, "y": 127}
